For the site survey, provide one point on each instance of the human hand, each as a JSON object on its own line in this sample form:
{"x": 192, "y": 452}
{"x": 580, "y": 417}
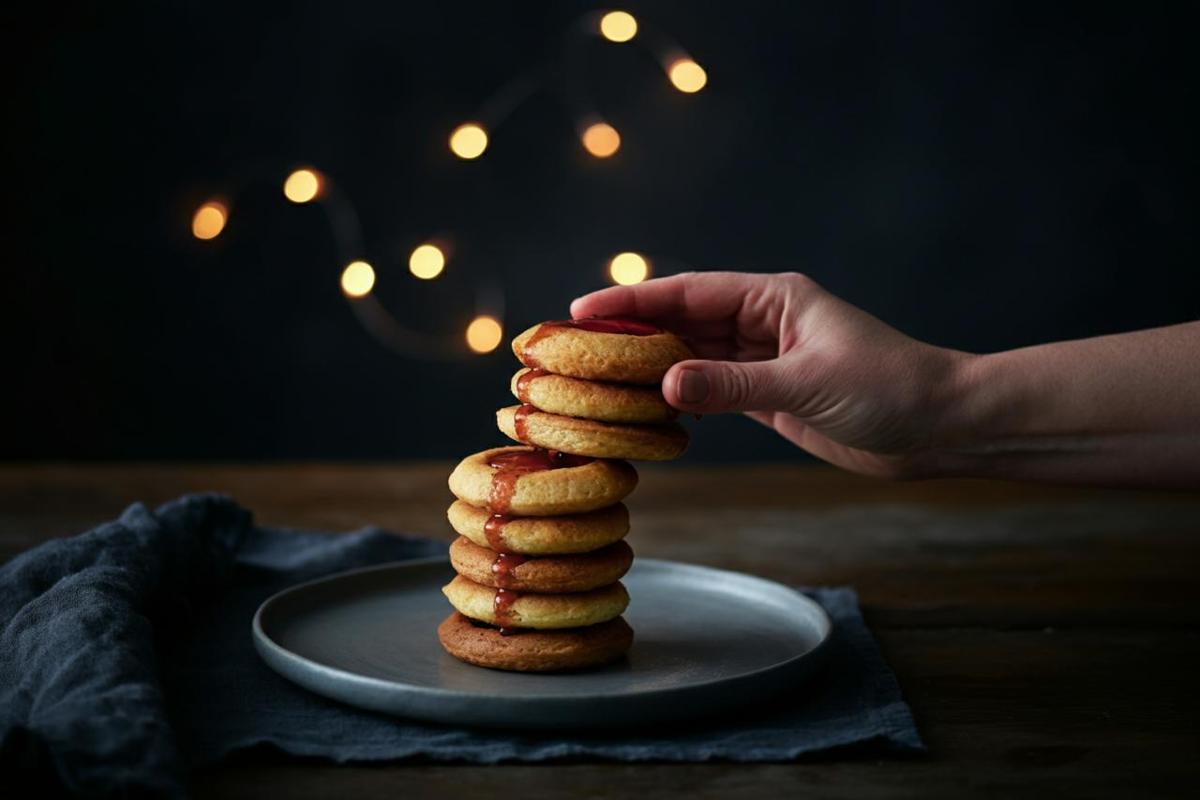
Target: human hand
{"x": 825, "y": 375}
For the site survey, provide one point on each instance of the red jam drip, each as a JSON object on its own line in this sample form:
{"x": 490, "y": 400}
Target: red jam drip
{"x": 493, "y": 529}
{"x": 503, "y": 566}
{"x": 536, "y": 460}
{"x": 628, "y": 327}
{"x": 512, "y": 464}
{"x": 502, "y": 611}
{"x": 528, "y": 377}
{"x": 521, "y": 421}
{"x": 526, "y": 355}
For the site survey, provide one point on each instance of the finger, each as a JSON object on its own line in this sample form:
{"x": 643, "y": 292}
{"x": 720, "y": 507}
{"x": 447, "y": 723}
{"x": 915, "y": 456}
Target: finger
{"x": 786, "y": 425}
{"x": 692, "y": 296}
{"x": 728, "y": 349}
{"x": 711, "y": 387}
{"x": 699, "y": 328}
{"x": 762, "y": 417}
{"x": 798, "y": 433}
{"x": 849, "y": 458}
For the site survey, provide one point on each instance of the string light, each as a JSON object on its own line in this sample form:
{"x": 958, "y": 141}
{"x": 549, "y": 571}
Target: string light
{"x": 484, "y": 334}
{"x": 627, "y": 269}
{"x": 601, "y": 139}
{"x": 209, "y": 220}
{"x": 427, "y": 262}
{"x": 687, "y": 75}
{"x": 358, "y": 278}
{"x": 618, "y": 26}
{"x": 468, "y": 141}
{"x": 303, "y": 185}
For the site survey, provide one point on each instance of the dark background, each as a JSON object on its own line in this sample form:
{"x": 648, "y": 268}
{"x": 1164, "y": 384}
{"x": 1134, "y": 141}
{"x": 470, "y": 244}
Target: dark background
{"x": 983, "y": 176}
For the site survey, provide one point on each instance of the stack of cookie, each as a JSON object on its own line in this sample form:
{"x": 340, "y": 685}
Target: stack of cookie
{"x": 541, "y": 548}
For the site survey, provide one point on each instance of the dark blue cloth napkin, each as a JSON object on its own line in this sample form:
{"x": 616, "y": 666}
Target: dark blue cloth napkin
{"x": 126, "y": 659}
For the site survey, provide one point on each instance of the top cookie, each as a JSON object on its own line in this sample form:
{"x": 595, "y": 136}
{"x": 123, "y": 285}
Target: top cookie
{"x": 598, "y": 349}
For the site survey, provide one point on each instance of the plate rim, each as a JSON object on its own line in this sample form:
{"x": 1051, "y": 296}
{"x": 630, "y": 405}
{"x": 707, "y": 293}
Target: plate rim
{"x": 263, "y": 641}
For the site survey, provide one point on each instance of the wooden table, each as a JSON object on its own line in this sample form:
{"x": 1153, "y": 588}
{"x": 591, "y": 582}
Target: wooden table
{"x": 1048, "y": 640}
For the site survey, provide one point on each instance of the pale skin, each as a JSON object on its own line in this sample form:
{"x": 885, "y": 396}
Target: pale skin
{"x": 1113, "y": 410}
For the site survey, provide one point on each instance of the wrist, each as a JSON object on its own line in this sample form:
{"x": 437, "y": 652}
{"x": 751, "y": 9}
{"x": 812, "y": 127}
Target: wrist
{"x": 970, "y": 415}
{"x": 995, "y": 421}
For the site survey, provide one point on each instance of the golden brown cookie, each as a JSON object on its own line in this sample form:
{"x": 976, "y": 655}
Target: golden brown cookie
{"x": 575, "y": 397}
{"x": 542, "y": 611}
{"x": 539, "y": 536}
{"x": 586, "y": 437}
{"x": 535, "y": 651}
{"x": 619, "y": 351}
{"x": 546, "y": 574}
{"x": 529, "y": 482}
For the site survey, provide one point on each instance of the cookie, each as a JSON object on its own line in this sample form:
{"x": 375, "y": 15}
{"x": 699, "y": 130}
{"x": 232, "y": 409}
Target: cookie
{"x": 586, "y": 437}
{"x": 604, "y": 402}
{"x": 545, "y": 574}
{"x": 539, "y": 536}
{"x": 542, "y": 611}
{"x": 614, "y": 350}
{"x": 535, "y": 651}
{"x": 529, "y": 482}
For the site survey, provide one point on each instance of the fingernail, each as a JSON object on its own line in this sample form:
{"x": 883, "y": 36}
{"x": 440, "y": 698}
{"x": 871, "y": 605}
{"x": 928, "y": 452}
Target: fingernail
{"x": 693, "y": 386}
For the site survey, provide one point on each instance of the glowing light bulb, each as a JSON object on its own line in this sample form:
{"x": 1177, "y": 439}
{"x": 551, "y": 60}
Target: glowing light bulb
{"x": 209, "y": 220}
{"x": 687, "y": 75}
{"x": 303, "y": 185}
{"x": 358, "y": 278}
{"x": 627, "y": 269}
{"x": 601, "y": 139}
{"x": 468, "y": 141}
{"x": 426, "y": 262}
{"x": 618, "y": 26}
{"x": 484, "y": 334}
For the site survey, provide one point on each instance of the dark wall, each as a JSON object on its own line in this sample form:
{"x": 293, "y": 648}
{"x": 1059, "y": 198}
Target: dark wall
{"x": 981, "y": 175}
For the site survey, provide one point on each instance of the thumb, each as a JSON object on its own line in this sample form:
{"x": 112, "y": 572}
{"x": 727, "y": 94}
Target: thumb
{"x": 710, "y": 387}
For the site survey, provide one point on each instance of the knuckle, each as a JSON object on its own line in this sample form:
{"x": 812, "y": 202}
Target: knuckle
{"x": 800, "y": 282}
{"x": 737, "y": 388}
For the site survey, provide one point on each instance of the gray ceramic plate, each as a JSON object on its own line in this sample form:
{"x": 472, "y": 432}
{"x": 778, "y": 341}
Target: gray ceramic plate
{"x": 705, "y": 641}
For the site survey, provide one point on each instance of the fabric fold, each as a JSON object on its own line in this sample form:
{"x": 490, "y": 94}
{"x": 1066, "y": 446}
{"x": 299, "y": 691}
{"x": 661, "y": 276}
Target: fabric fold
{"x": 80, "y": 688}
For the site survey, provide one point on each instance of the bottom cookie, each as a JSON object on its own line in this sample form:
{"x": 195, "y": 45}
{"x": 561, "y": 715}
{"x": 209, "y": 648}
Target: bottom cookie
{"x": 533, "y": 650}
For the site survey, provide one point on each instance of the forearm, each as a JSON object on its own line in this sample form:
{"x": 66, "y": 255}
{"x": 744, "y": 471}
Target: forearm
{"x": 1121, "y": 409}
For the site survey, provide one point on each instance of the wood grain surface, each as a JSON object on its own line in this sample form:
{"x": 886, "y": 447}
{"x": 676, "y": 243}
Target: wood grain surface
{"x": 1048, "y": 639}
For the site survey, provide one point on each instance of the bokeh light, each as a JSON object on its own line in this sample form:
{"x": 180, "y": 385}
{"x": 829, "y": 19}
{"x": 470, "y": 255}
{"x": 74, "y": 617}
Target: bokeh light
{"x": 468, "y": 141}
{"x": 687, "y": 75}
{"x": 484, "y": 334}
{"x": 618, "y": 26}
{"x": 427, "y": 262}
{"x": 358, "y": 278}
{"x": 303, "y": 185}
{"x": 601, "y": 139}
{"x": 627, "y": 269}
{"x": 209, "y": 220}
